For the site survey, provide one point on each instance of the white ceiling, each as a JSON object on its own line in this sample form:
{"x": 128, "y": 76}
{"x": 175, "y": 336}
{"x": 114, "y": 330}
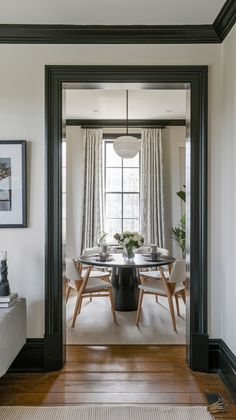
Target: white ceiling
{"x": 110, "y": 12}
{"x": 111, "y": 104}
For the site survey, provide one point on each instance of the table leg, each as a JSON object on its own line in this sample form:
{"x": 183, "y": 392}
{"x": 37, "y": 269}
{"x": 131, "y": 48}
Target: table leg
{"x": 125, "y": 281}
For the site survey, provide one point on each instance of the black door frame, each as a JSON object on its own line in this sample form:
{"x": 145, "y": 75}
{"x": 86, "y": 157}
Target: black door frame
{"x": 197, "y": 78}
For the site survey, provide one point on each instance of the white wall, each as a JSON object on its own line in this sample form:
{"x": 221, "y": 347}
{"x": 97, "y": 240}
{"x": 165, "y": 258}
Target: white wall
{"x": 227, "y": 190}
{"x": 173, "y": 138}
{"x": 74, "y": 190}
{"x": 22, "y": 116}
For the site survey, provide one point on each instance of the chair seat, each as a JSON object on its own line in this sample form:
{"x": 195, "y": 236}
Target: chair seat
{"x": 96, "y": 273}
{"x": 96, "y": 285}
{"x": 93, "y": 284}
{"x": 156, "y": 286}
{"x": 179, "y": 288}
{"x": 153, "y": 286}
{"x": 154, "y": 274}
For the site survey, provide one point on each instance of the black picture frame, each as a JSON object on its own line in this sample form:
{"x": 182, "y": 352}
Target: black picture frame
{"x": 15, "y": 198}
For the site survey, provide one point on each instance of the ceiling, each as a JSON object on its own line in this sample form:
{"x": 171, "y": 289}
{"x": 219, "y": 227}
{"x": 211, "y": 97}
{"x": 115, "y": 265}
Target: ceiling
{"x": 111, "y": 12}
{"x": 111, "y": 104}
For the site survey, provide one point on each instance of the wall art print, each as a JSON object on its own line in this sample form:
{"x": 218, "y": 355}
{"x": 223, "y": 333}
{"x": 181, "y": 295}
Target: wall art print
{"x": 13, "y": 183}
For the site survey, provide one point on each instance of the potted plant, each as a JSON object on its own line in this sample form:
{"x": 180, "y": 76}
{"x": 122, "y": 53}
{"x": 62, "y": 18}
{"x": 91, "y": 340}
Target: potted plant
{"x": 178, "y": 233}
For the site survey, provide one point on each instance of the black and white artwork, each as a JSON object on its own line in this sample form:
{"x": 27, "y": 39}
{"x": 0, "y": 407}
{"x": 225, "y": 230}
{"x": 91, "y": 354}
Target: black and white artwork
{"x": 12, "y": 183}
{"x": 5, "y": 184}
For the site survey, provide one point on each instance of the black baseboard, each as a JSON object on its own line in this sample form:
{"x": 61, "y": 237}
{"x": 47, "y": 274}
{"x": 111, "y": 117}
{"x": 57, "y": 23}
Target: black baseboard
{"x": 223, "y": 361}
{"x": 199, "y": 360}
{"x": 30, "y": 358}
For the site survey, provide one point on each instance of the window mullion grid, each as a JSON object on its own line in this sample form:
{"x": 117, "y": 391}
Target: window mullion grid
{"x": 122, "y": 192}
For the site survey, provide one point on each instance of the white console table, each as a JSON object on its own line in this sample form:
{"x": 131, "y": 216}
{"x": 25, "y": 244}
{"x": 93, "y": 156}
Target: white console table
{"x": 12, "y": 333}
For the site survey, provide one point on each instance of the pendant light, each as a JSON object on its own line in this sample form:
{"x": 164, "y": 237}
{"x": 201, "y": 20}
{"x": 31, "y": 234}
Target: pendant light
{"x": 127, "y": 146}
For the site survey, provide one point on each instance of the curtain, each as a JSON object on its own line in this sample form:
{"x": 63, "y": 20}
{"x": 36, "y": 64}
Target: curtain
{"x": 151, "y": 188}
{"x": 93, "y": 215}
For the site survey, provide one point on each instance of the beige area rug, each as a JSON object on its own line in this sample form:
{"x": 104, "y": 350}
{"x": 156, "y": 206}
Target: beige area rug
{"x": 95, "y": 325}
{"x": 105, "y": 413}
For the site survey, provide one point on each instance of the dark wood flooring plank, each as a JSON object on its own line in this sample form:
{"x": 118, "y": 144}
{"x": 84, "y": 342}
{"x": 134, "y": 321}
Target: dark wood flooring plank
{"x": 116, "y": 375}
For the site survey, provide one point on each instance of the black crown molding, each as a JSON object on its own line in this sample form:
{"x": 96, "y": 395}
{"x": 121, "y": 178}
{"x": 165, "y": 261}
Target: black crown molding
{"x": 225, "y": 19}
{"x": 107, "y": 34}
{"x": 122, "y": 34}
{"x": 122, "y": 123}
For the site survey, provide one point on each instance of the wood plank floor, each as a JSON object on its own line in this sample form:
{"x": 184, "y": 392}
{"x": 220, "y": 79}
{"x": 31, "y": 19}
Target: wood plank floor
{"x": 116, "y": 375}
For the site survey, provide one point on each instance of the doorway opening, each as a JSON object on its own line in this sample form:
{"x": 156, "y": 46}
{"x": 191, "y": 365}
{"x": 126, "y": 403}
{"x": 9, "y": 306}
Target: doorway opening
{"x": 105, "y": 194}
{"x": 193, "y": 78}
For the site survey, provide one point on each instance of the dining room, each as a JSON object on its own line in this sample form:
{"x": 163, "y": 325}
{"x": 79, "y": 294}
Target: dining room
{"x": 123, "y": 158}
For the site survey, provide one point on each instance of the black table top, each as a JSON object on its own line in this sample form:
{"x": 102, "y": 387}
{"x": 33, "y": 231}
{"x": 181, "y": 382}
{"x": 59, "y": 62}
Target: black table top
{"x": 117, "y": 260}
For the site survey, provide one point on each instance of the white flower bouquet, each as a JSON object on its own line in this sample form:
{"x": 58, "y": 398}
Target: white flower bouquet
{"x": 129, "y": 239}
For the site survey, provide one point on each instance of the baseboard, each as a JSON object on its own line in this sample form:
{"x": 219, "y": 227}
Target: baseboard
{"x": 223, "y": 361}
{"x": 30, "y": 358}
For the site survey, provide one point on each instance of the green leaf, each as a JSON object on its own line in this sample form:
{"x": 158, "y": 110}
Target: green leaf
{"x": 182, "y": 195}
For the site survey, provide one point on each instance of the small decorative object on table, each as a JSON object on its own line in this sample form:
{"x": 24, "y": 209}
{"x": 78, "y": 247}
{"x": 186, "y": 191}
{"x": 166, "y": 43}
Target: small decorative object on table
{"x": 4, "y": 284}
{"x": 130, "y": 241}
{"x": 103, "y": 247}
{"x": 154, "y": 255}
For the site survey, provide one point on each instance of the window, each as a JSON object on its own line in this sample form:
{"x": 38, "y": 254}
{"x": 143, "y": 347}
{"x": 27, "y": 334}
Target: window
{"x": 121, "y": 192}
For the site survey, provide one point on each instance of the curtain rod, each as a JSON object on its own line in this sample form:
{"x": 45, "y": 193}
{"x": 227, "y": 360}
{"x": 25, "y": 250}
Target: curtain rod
{"x": 122, "y": 123}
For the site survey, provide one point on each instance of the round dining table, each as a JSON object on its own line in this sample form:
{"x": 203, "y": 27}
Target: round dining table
{"x": 125, "y": 276}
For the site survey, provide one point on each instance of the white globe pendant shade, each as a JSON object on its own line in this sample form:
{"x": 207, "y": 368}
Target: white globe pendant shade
{"x": 127, "y": 146}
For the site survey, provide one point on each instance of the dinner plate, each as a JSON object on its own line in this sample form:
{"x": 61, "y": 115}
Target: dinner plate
{"x": 99, "y": 259}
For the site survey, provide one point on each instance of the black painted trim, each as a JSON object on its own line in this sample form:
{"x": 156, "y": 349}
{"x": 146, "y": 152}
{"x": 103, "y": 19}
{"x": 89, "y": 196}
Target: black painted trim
{"x": 225, "y": 20}
{"x": 122, "y": 34}
{"x": 223, "y": 361}
{"x": 199, "y": 346}
{"x": 30, "y": 358}
{"x": 194, "y": 76}
{"x": 107, "y": 34}
{"x": 122, "y": 123}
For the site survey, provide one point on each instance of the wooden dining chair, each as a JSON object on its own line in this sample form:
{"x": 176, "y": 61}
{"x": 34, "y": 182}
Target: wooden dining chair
{"x": 170, "y": 287}
{"x": 86, "y": 286}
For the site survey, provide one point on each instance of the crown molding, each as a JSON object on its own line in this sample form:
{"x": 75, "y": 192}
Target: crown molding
{"x": 122, "y": 34}
{"x": 107, "y": 34}
{"x": 225, "y": 20}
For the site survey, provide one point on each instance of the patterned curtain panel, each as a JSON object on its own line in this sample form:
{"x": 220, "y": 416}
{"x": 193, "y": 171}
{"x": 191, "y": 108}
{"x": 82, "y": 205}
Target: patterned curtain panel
{"x": 93, "y": 215}
{"x": 151, "y": 188}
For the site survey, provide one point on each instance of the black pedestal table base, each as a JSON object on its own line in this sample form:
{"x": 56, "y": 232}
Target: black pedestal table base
{"x": 125, "y": 282}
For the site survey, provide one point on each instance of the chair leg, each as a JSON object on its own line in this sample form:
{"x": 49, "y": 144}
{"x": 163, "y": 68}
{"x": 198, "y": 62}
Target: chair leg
{"x": 91, "y": 298}
{"x": 112, "y": 305}
{"x": 177, "y": 304}
{"x": 182, "y": 292}
{"x": 140, "y": 300}
{"x": 77, "y": 308}
{"x": 68, "y": 289}
{"x": 156, "y": 298}
{"x": 80, "y": 304}
{"x": 172, "y": 312}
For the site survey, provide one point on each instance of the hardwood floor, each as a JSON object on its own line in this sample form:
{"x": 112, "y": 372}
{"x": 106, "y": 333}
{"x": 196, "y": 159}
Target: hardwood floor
{"x": 118, "y": 375}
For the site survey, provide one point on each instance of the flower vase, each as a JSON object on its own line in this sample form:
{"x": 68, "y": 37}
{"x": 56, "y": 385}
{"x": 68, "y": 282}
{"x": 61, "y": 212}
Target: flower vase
{"x": 129, "y": 253}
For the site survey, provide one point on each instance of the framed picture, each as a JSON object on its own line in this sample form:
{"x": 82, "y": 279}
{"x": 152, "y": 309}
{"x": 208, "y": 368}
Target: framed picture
{"x": 13, "y": 184}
